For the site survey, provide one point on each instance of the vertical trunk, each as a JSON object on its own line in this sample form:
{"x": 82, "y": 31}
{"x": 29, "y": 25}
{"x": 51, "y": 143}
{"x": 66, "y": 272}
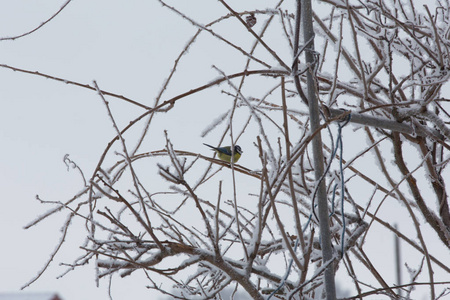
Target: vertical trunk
{"x": 325, "y": 236}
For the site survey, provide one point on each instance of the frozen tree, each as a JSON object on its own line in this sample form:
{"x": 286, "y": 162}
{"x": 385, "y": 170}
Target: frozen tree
{"x": 376, "y": 141}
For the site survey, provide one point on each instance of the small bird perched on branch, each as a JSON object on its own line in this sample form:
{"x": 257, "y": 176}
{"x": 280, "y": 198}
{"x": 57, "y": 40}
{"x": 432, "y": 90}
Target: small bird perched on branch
{"x": 224, "y": 153}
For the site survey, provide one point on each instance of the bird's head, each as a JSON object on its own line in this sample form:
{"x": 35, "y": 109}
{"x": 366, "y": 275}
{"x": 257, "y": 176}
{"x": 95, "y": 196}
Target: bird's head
{"x": 238, "y": 149}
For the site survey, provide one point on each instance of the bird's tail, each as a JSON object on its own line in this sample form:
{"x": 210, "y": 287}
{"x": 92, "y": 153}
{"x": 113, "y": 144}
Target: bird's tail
{"x": 209, "y": 146}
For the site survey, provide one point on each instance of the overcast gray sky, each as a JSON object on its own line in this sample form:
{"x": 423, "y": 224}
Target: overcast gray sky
{"x": 128, "y": 47}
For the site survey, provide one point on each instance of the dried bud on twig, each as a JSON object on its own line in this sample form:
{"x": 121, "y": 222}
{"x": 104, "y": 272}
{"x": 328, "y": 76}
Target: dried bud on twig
{"x": 251, "y": 20}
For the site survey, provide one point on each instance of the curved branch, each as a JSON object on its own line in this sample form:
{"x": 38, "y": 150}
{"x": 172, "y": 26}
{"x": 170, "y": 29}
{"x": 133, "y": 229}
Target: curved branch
{"x": 37, "y": 28}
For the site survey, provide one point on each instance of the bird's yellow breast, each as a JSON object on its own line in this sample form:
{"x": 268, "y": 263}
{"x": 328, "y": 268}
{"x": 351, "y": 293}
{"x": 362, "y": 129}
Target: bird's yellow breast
{"x": 227, "y": 158}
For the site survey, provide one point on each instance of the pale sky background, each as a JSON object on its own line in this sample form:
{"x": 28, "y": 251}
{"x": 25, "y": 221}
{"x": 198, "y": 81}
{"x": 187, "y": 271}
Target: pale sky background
{"x": 125, "y": 46}
{"x": 129, "y": 48}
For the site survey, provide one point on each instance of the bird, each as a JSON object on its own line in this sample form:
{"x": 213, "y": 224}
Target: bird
{"x": 224, "y": 153}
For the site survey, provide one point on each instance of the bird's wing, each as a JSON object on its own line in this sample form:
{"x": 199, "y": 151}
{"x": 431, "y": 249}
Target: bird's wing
{"x": 224, "y": 150}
